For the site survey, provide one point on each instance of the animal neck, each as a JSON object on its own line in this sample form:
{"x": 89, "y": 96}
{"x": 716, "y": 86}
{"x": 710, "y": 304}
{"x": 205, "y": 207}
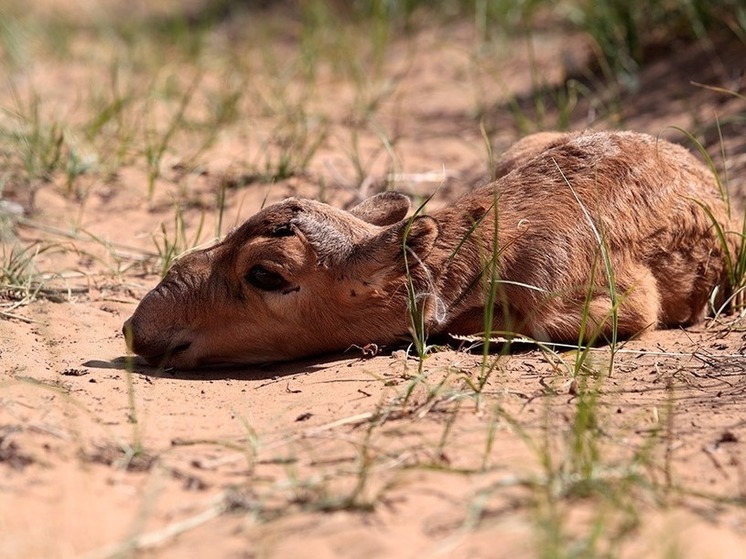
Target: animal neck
{"x": 466, "y": 252}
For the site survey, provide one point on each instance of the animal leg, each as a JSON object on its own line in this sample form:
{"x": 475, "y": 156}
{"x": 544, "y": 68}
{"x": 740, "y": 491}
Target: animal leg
{"x": 637, "y": 304}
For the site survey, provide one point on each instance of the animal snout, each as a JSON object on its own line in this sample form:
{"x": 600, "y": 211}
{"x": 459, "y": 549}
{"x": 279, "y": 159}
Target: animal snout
{"x": 154, "y": 345}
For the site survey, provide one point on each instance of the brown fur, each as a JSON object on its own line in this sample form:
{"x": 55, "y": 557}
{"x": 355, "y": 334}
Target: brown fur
{"x": 344, "y": 272}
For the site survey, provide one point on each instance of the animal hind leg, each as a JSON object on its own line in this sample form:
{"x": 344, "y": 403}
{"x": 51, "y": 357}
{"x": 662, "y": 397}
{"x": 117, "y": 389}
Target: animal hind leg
{"x": 637, "y": 310}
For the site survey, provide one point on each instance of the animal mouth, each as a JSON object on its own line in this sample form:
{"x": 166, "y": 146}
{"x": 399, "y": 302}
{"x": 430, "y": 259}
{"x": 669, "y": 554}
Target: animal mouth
{"x": 163, "y": 359}
{"x": 181, "y": 348}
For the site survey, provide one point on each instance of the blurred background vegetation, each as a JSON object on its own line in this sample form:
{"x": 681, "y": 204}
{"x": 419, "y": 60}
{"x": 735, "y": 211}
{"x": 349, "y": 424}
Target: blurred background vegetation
{"x": 625, "y": 33}
{"x": 127, "y": 83}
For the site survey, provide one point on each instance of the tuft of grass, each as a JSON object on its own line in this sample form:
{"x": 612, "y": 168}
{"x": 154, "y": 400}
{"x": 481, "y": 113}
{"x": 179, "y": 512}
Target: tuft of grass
{"x": 37, "y": 146}
{"x": 20, "y": 281}
{"x": 157, "y": 142}
{"x": 291, "y": 146}
{"x": 14, "y": 39}
{"x": 417, "y": 301}
{"x": 169, "y": 246}
{"x": 626, "y": 32}
{"x": 112, "y": 124}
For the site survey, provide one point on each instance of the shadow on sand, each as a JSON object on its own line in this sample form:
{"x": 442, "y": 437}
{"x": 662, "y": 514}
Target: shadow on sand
{"x": 224, "y": 372}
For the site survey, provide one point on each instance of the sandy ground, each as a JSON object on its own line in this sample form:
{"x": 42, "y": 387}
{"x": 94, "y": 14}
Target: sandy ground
{"x": 351, "y": 455}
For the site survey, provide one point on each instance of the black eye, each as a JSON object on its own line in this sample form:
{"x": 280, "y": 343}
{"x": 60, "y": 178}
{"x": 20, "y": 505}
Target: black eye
{"x": 263, "y": 279}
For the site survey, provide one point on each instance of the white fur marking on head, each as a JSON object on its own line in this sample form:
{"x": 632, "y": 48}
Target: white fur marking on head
{"x": 331, "y": 245}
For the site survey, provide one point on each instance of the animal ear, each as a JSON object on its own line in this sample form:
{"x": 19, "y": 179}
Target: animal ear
{"x": 382, "y": 209}
{"x": 385, "y": 251}
{"x": 419, "y": 236}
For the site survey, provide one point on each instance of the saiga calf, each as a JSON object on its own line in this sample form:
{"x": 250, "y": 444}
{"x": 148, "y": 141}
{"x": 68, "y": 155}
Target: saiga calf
{"x": 302, "y": 278}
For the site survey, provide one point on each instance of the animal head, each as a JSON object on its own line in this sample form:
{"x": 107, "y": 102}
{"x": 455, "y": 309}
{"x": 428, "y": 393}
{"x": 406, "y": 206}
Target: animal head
{"x": 298, "y": 278}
